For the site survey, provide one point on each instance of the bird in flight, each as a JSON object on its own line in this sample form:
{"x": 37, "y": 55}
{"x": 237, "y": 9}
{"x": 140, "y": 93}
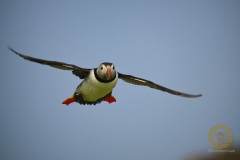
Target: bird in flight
{"x": 98, "y": 83}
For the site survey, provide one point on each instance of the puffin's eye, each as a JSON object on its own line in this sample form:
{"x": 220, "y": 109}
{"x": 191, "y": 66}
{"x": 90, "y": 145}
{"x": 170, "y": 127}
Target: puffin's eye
{"x": 101, "y": 68}
{"x": 113, "y": 67}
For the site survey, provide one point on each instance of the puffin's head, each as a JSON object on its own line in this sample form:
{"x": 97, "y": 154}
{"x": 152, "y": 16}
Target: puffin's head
{"x": 106, "y": 71}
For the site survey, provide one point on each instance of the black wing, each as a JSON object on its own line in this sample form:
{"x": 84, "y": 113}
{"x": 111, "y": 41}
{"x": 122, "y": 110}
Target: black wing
{"x": 78, "y": 71}
{"x": 144, "y": 82}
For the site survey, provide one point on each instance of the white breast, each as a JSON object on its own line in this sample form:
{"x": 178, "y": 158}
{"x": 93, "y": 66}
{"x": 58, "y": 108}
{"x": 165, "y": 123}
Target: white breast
{"x": 91, "y": 89}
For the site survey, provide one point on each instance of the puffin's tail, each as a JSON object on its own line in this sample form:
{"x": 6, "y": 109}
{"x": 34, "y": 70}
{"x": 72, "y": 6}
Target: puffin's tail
{"x": 69, "y": 100}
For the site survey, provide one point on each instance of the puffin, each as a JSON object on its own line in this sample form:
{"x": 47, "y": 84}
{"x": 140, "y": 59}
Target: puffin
{"x": 98, "y": 83}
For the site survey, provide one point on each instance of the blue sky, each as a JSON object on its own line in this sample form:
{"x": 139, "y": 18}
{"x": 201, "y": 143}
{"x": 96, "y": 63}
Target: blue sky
{"x": 189, "y": 46}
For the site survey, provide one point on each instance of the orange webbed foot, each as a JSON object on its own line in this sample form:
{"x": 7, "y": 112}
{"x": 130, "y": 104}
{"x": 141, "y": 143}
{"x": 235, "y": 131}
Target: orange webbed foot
{"x": 110, "y": 99}
{"x": 69, "y": 100}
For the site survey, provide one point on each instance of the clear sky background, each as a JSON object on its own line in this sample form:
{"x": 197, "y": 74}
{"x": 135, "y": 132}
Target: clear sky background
{"x": 190, "y": 46}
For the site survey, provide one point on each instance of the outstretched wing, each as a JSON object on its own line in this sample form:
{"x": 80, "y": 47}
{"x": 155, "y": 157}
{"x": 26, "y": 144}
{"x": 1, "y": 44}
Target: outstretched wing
{"x": 78, "y": 71}
{"x": 144, "y": 82}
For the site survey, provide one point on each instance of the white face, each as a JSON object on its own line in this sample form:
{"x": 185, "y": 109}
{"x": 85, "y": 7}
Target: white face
{"x": 106, "y": 71}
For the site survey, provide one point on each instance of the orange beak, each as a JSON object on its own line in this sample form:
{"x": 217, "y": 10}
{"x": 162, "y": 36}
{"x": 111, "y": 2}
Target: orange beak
{"x": 108, "y": 72}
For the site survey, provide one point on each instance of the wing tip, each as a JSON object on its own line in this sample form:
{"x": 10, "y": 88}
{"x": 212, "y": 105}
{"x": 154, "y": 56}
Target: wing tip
{"x": 198, "y": 95}
{"x": 11, "y": 49}
{"x": 193, "y": 96}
